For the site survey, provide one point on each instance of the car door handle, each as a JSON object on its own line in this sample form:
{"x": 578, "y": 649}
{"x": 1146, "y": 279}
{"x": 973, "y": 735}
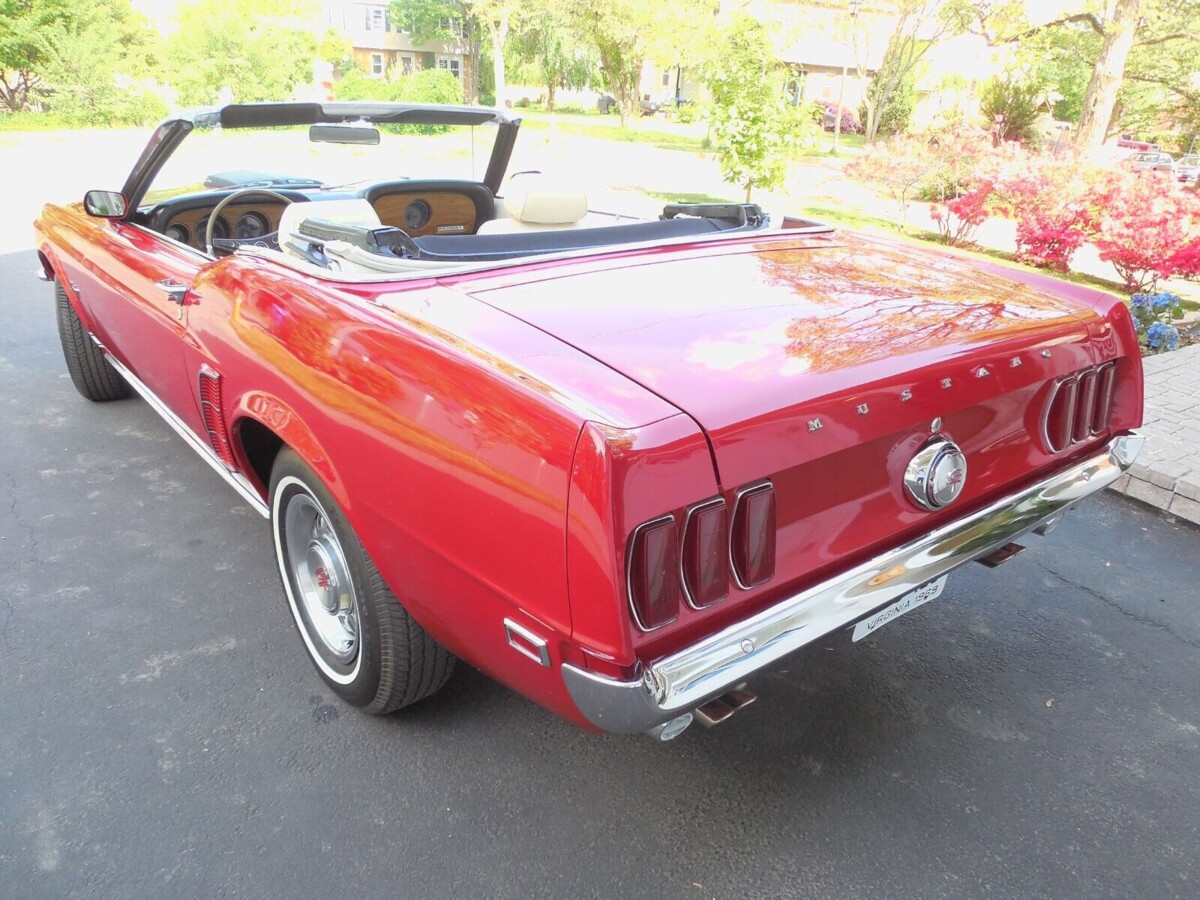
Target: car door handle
{"x": 173, "y": 289}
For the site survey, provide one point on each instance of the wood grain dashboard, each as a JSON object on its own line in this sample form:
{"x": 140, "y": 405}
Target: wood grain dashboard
{"x": 433, "y": 212}
{"x": 193, "y": 221}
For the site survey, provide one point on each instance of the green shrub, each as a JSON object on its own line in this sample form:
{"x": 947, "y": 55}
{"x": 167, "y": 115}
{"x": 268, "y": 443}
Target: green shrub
{"x": 1016, "y": 105}
{"x": 356, "y": 84}
{"x": 573, "y": 109}
{"x": 435, "y": 86}
{"x": 686, "y": 113}
{"x": 92, "y": 106}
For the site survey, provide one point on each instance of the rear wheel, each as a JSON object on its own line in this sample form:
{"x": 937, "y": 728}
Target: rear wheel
{"x": 90, "y": 372}
{"x": 365, "y": 645}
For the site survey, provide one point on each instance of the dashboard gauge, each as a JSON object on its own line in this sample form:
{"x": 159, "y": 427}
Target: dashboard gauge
{"x": 251, "y": 225}
{"x": 416, "y": 215}
{"x": 177, "y": 232}
{"x": 220, "y": 229}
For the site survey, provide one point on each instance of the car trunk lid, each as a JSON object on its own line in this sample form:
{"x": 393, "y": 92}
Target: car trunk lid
{"x": 824, "y": 365}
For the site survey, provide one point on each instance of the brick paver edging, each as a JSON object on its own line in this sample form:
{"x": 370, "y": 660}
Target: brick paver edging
{"x": 1167, "y": 473}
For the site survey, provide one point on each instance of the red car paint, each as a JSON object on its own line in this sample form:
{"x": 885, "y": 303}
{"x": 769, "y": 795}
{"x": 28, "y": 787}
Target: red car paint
{"x": 494, "y": 437}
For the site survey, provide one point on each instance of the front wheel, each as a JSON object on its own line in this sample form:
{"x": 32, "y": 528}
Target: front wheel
{"x": 365, "y": 645}
{"x": 92, "y": 374}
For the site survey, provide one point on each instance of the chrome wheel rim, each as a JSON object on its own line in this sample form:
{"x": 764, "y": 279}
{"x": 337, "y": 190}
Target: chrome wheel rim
{"x": 321, "y": 582}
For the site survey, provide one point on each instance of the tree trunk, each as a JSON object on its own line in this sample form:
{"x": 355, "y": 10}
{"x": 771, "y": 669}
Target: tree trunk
{"x": 1107, "y": 75}
{"x": 499, "y": 34}
{"x": 551, "y": 87}
{"x": 474, "y": 52}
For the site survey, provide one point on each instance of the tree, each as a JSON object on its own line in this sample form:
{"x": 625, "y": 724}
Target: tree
{"x": 751, "y": 120}
{"x": 1116, "y": 43}
{"x": 100, "y": 69}
{"x": 446, "y": 21}
{"x": 1107, "y": 74}
{"x": 1013, "y": 108}
{"x": 919, "y": 25}
{"x": 628, "y": 33}
{"x": 260, "y": 49}
{"x": 548, "y": 51}
{"x": 43, "y": 41}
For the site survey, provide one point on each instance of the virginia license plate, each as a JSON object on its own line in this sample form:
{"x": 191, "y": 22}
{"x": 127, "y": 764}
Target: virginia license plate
{"x": 908, "y": 602}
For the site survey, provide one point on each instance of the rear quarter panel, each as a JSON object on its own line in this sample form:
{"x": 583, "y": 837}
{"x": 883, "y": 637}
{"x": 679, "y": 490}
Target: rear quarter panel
{"x": 445, "y": 430}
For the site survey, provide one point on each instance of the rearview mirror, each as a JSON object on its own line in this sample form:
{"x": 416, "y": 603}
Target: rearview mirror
{"x": 105, "y": 204}
{"x": 343, "y": 134}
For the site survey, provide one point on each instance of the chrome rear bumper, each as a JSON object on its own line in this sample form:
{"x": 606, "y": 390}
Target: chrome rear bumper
{"x": 681, "y": 682}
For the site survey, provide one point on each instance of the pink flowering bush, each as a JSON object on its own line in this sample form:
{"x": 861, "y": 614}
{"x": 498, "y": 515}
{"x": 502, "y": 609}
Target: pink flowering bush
{"x": 1149, "y": 229}
{"x": 1141, "y": 222}
{"x": 958, "y": 219}
{"x": 1055, "y": 203}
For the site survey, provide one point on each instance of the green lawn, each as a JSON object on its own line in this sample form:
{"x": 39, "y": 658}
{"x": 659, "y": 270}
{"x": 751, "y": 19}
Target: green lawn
{"x": 608, "y": 128}
{"x": 686, "y": 197}
{"x": 848, "y": 144}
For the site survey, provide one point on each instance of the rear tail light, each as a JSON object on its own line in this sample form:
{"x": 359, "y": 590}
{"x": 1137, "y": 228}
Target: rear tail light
{"x": 1079, "y": 407}
{"x": 653, "y": 573}
{"x": 752, "y": 536}
{"x": 666, "y": 563}
{"x": 705, "y": 561}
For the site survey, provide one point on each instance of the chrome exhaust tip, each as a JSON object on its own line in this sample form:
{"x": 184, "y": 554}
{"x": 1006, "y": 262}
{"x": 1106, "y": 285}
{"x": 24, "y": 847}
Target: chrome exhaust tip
{"x": 668, "y": 731}
{"x": 1003, "y": 555}
{"x": 1049, "y": 525}
{"x": 720, "y": 709}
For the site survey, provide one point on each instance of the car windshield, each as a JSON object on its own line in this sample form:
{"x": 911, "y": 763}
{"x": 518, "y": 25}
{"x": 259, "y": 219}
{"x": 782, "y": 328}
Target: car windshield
{"x": 213, "y": 157}
{"x": 1147, "y": 157}
{"x": 1192, "y": 159}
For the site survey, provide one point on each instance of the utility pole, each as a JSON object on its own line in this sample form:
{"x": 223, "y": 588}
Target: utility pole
{"x": 837, "y": 125}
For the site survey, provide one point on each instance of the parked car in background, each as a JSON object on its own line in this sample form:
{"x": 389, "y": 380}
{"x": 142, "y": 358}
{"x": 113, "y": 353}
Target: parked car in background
{"x": 1152, "y": 161}
{"x": 1128, "y": 142}
{"x": 621, "y": 466}
{"x": 607, "y": 103}
{"x": 1187, "y": 168}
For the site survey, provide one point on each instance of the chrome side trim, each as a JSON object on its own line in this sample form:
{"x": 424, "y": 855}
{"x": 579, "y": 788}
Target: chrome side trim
{"x": 233, "y": 479}
{"x": 527, "y": 643}
{"x": 712, "y": 666}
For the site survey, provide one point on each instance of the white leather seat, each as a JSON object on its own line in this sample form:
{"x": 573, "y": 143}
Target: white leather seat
{"x": 357, "y": 211}
{"x": 538, "y": 207}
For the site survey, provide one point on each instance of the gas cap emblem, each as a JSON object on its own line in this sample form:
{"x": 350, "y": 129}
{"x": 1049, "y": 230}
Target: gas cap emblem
{"x": 936, "y": 475}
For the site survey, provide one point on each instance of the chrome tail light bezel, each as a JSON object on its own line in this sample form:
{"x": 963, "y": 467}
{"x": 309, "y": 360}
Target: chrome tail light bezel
{"x": 635, "y": 538}
{"x": 739, "y": 504}
{"x": 690, "y": 518}
{"x": 1085, "y": 401}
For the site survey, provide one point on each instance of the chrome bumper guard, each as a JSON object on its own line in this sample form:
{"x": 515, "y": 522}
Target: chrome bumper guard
{"x": 681, "y": 682}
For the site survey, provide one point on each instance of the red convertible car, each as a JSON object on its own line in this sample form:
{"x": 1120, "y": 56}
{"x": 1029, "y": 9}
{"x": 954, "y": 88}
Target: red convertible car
{"x": 619, "y": 465}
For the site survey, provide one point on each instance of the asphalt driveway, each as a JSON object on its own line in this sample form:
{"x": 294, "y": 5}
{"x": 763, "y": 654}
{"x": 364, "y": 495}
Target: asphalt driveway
{"x": 1034, "y": 732}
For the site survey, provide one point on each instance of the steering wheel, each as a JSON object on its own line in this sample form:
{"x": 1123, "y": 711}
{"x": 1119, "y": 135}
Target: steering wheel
{"x": 228, "y": 245}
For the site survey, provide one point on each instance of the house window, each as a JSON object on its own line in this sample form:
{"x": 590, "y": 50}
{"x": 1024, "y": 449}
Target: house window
{"x": 666, "y": 79}
{"x": 377, "y": 65}
{"x": 406, "y": 65}
{"x": 377, "y": 19}
{"x": 452, "y": 65}
{"x": 453, "y": 26}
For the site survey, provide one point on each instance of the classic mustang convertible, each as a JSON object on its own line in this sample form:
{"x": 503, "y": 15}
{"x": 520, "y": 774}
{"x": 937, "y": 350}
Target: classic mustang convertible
{"x": 620, "y": 465}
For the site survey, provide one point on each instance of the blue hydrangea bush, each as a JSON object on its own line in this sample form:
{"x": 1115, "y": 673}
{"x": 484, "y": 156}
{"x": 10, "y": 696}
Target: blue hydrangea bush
{"x": 1154, "y": 315}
